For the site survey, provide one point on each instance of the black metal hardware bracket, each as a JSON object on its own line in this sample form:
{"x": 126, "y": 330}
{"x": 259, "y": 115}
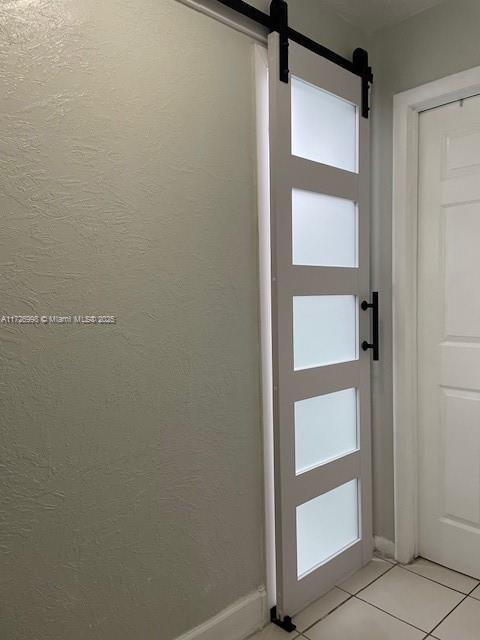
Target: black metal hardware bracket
{"x": 286, "y": 624}
{"x": 375, "y": 328}
{"x": 278, "y": 21}
{"x": 360, "y": 61}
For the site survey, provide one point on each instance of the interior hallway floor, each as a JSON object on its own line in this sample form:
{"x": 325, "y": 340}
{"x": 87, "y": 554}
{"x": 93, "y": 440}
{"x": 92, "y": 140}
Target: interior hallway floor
{"x": 388, "y": 601}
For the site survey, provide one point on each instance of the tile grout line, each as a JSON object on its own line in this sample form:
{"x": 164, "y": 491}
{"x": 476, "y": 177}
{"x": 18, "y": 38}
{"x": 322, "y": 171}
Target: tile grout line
{"x": 330, "y": 612}
{"x": 450, "y": 612}
{"x": 420, "y": 576}
{"x": 460, "y": 573}
{"x": 391, "y": 615}
{"x": 394, "y": 564}
{"x": 405, "y": 567}
{"x": 370, "y": 583}
{"x": 350, "y": 596}
{"x": 355, "y": 596}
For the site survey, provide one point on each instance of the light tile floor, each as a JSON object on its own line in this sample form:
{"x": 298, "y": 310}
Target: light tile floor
{"x": 388, "y": 601}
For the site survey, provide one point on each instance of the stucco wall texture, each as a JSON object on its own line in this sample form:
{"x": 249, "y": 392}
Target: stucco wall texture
{"x": 130, "y": 461}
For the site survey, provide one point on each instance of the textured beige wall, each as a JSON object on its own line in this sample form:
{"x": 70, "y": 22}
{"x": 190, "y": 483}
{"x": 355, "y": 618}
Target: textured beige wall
{"x": 131, "y": 462}
{"x": 131, "y": 455}
{"x": 431, "y": 45}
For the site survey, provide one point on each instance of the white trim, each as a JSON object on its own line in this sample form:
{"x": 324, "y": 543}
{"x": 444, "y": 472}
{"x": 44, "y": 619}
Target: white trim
{"x": 236, "y": 622}
{"x": 406, "y": 109}
{"x": 384, "y": 547}
{"x": 228, "y": 17}
{"x": 263, "y": 198}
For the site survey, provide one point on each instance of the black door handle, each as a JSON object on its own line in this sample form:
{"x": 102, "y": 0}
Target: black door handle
{"x": 374, "y": 306}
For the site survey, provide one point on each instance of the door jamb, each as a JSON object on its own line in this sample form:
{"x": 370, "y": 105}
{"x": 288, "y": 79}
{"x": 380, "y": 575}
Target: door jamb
{"x": 406, "y": 109}
{"x": 260, "y": 61}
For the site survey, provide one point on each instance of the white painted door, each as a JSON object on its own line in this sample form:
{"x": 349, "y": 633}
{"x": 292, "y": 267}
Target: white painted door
{"x": 449, "y": 335}
{"x": 320, "y": 275}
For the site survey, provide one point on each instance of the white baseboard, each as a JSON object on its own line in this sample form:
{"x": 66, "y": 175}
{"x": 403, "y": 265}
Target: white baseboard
{"x": 384, "y": 546}
{"x": 238, "y": 621}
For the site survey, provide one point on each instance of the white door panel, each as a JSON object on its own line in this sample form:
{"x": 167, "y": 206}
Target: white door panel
{"x": 449, "y": 336}
{"x": 320, "y": 275}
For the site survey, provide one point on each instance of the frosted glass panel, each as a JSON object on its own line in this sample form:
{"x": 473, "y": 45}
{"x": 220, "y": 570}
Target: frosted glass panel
{"x": 324, "y": 127}
{"x": 324, "y": 330}
{"x": 325, "y": 428}
{"x": 324, "y": 230}
{"x": 326, "y": 526}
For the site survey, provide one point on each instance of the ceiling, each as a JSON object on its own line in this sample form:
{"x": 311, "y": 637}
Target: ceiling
{"x": 371, "y": 15}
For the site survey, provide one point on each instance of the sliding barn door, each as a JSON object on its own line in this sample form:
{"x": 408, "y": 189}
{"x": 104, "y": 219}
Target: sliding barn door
{"x": 320, "y": 275}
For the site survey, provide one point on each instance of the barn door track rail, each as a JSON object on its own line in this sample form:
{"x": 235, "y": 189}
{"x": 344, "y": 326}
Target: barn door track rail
{"x": 278, "y": 21}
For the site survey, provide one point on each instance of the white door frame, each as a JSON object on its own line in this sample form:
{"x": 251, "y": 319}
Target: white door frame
{"x": 406, "y": 109}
